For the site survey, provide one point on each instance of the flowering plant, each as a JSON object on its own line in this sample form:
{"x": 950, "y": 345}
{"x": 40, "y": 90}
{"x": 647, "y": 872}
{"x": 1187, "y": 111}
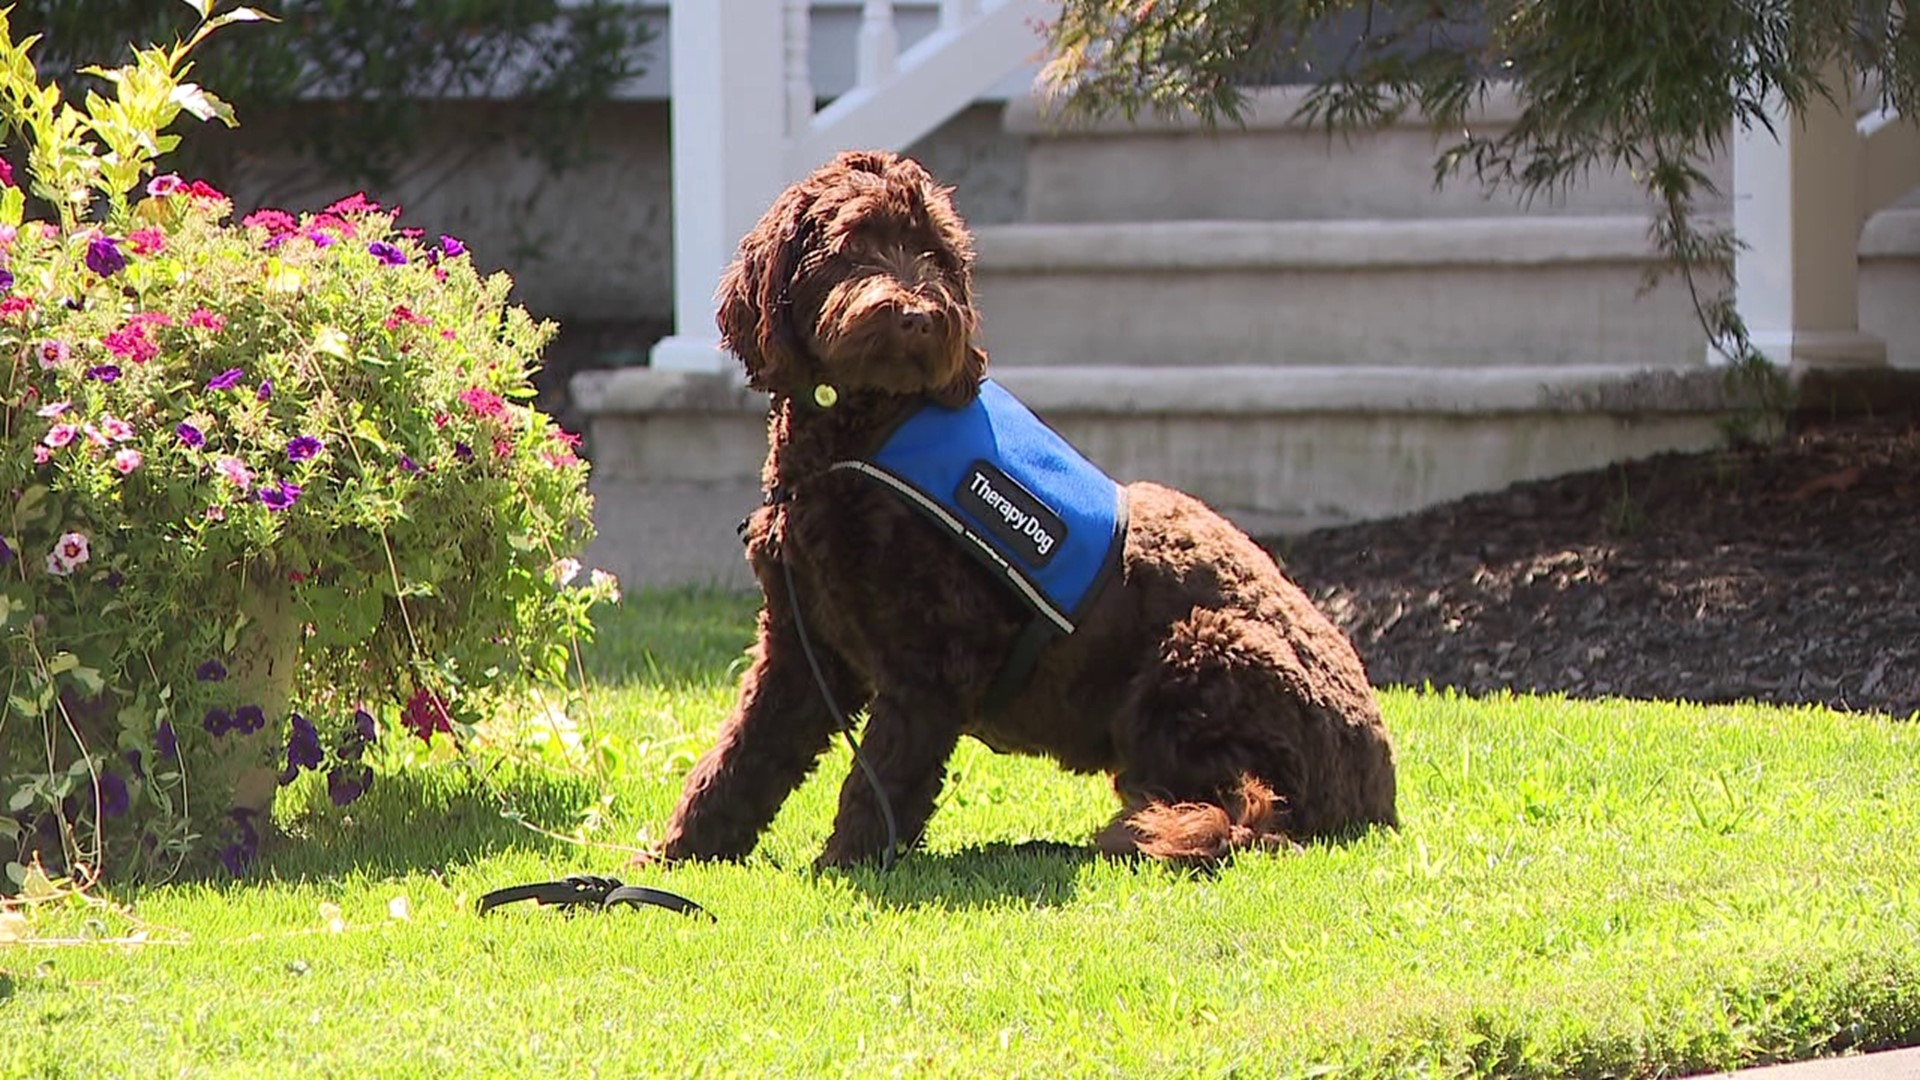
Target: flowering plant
{"x": 267, "y": 487}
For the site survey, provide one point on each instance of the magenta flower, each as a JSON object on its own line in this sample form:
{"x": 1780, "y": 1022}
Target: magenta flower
{"x": 274, "y": 221}
{"x": 147, "y": 241}
{"x": 278, "y": 497}
{"x": 105, "y": 373}
{"x": 104, "y": 258}
{"x": 226, "y": 380}
{"x": 190, "y": 436}
{"x": 356, "y": 203}
{"x": 202, "y": 319}
{"x": 483, "y": 402}
{"x": 303, "y": 448}
{"x": 387, "y": 253}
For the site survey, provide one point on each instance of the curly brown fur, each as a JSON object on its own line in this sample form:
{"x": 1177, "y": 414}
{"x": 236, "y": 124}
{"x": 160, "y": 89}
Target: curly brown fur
{"x": 1229, "y": 712}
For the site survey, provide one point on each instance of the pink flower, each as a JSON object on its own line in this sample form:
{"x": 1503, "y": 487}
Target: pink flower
{"x": 53, "y": 354}
{"x": 216, "y": 513}
{"x": 41, "y": 455}
{"x": 54, "y": 408}
{"x": 201, "y": 191}
{"x": 483, "y": 402}
{"x": 235, "y": 471}
{"x": 606, "y": 583}
{"x": 202, "y": 319}
{"x": 274, "y": 221}
{"x": 16, "y": 304}
{"x": 147, "y": 241}
{"x": 116, "y": 429}
{"x": 60, "y": 435}
{"x": 68, "y": 554}
{"x": 126, "y": 459}
{"x": 404, "y": 315}
{"x": 95, "y": 435}
{"x": 161, "y": 186}
{"x": 357, "y": 203}
{"x": 131, "y": 342}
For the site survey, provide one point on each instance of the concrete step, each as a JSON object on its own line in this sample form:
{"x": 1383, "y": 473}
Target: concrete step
{"x": 1444, "y": 292}
{"x": 1276, "y": 168}
{"x": 676, "y": 456}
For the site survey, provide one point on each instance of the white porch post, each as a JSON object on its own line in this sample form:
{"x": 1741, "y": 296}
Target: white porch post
{"x": 1797, "y": 209}
{"x": 728, "y": 143}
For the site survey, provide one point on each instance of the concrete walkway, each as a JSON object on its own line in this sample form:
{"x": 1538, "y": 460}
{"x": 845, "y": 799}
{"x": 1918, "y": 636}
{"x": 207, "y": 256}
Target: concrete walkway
{"x": 1887, "y": 1065}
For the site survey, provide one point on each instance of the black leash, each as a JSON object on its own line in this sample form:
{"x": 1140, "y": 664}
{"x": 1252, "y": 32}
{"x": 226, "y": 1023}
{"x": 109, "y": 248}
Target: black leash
{"x": 590, "y": 891}
{"x": 841, "y": 718}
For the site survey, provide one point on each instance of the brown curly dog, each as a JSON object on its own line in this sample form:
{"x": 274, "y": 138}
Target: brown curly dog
{"x": 1228, "y": 710}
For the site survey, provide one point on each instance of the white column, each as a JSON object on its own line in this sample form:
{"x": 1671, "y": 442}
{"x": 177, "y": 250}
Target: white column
{"x": 727, "y": 75}
{"x": 1797, "y": 209}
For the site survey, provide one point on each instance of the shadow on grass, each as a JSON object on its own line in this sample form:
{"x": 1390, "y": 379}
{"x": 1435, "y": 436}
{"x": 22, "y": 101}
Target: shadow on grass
{"x": 671, "y": 637}
{"x": 420, "y": 821}
{"x": 1033, "y": 873}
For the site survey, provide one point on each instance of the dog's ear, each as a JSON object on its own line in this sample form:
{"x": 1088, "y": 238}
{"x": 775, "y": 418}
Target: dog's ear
{"x": 966, "y": 385}
{"x": 755, "y": 294}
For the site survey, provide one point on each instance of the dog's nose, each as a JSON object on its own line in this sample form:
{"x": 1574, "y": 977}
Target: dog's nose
{"x": 916, "y": 322}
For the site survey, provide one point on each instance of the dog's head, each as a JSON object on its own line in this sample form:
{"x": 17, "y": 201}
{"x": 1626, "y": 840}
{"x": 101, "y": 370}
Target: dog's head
{"x": 858, "y": 277}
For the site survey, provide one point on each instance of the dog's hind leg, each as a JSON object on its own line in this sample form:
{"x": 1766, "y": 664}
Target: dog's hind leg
{"x": 911, "y": 731}
{"x": 1231, "y": 738}
{"x": 778, "y": 729}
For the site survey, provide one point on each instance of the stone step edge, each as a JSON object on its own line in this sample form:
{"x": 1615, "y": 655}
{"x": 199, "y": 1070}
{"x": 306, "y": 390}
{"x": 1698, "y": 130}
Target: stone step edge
{"x": 1268, "y": 108}
{"x": 1239, "y": 390}
{"x": 1224, "y": 246}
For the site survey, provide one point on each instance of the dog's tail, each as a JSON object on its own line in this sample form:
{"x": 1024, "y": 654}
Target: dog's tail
{"x": 1200, "y": 833}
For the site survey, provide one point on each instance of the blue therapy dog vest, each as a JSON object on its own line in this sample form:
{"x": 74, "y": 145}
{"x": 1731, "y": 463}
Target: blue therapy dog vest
{"x": 1014, "y": 493}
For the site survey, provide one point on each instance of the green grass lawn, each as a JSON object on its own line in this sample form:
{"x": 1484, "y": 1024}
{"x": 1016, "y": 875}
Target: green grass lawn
{"x": 1597, "y": 889}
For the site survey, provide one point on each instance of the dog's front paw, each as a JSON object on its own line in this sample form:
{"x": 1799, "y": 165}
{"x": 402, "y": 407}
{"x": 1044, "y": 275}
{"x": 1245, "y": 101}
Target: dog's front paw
{"x": 844, "y": 855}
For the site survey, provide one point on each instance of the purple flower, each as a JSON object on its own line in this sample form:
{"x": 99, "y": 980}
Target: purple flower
{"x": 216, "y": 722}
{"x": 303, "y": 745}
{"x": 303, "y": 448}
{"x": 278, "y": 497}
{"x": 6, "y": 553}
{"x": 248, "y": 719}
{"x": 104, "y": 258}
{"x": 166, "y": 742}
{"x": 210, "y": 671}
{"x": 6, "y": 281}
{"x": 112, "y": 793}
{"x": 114, "y": 579}
{"x": 265, "y": 393}
{"x": 191, "y": 436}
{"x": 463, "y": 451}
{"x": 345, "y": 783}
{"x": 322, "y": 238}
{"x": 106, "y": 373}
{"x": 363, "y": 725}
{"x": 387, "y": 253}
{"x": 226, "y": 380}
{"x": 452, "y": 247}
{"x": 407, "y": 465}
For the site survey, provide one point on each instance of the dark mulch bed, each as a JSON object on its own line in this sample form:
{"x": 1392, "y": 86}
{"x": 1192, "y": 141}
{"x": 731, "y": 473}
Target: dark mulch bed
{"x": 1787, "y": 574}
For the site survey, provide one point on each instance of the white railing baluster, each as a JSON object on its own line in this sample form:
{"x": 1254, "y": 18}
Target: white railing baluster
{"x": 799, "y": 76}
{"x": 955, "y": 12}
{"x": 879, "y": 41}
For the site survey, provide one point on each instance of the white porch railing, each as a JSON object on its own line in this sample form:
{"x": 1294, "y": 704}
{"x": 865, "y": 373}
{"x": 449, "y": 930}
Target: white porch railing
{"x": 745, "y": 123}
{"x": 1801, "y": 194}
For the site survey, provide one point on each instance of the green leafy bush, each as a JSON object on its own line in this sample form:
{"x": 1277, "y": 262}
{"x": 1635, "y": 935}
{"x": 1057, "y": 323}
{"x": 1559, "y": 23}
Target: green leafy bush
{"x": 267, "y": 488}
